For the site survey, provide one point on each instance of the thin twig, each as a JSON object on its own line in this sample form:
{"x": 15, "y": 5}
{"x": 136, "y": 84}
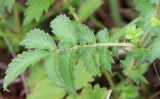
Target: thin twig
{"x": 154, "y": 95}
{"x": 14, "y": 55}
{"x": 155, "y": 68}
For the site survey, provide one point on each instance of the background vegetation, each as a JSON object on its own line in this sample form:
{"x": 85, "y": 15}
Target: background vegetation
{"x": 115, "y": 54}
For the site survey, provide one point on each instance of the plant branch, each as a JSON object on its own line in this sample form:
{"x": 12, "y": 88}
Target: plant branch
{"x": 99, "y": 45}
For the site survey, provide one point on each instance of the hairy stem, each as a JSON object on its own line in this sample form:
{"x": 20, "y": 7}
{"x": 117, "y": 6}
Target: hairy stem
{"x": 99, "y": 45}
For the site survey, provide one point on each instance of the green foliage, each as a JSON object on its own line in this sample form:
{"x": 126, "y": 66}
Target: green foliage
{"x": 46, "y": 89}
{"x": 86, "y": 11}
{"x": 60, "y": 64}
{"x": 64, "y": 29}
{"x": 105, "y": 55}
{"x": 95, "y": 93}
{"x": 155, "y": 47}
{"x": 39, "y": 40}
{"x": 20, "y": 64}
{"x": 86, "y": 36}
{"x": 66, "y": 71}
{"x": 77, "y": 56}
{"x": 144, "y": 7}
{"x": 6, "y": 3}
{"x": 52, "y": 69}
{"x": 135, "y": 74}
{"x": 82, "y": 77}
{"x": 128, "y": 92}
{"x": 35, "y": 9}
{"x": 90, "y": 61}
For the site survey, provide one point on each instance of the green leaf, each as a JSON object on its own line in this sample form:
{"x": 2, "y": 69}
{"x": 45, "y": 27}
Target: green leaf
{"x": 144, "y": 7}
{"x": 38, "y": 39}
{"x": 35, "y": 9}
{"x": 20, "y": 64}
{"x": 6, "y": 3}
{"x": 127, "y": 92}
{"x": 135, "y": 74}
{"x": 155, "y": 48}
{"x": 88, "y": 8}
{"x": 95, "y": 93}
{"x": 106, "y": 59}
{"x": 105, "y": 56}
{"x": 64, "y": 29}
{"x": 102, "y": 36}
{"x": 154, "y": 22}
{"x": 36, "y": 74}
{"x": 85, "y": 35}
{"x": 67, "y": 71}
{"x": 52, "y": 69}
{"x": 46, "y": 89}
{"x": 90, "y": 61}
{"x": 82, "y": 77}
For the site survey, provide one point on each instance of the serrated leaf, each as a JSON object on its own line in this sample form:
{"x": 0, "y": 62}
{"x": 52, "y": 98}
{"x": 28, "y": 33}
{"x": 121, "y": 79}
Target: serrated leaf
{"x": 85, "y": 11}
{"x": 85, "y": 35}
{"x": 105, "y": 56}
{"x": 82, "y": 77}
{"x": 64, "y": 29}
{"x": 35, "y": 9}
{"x": 102, "y": 36}
{"x": 6, "y": 3}
{"x": 46, "y": 90}
{"x": 90, "y": 62}
{"x": 67, "y": 71}
{"x": 20, "y": 64}
{"x": 106, "y": 59}
{"x": 127, "y": 92}
{"x": 135, "y": 74}
{"x": 155, "y": 48}
{"x": 95, "y": 93}
{"x": 38, "y": 39}
{"x": 52, "y": 69}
